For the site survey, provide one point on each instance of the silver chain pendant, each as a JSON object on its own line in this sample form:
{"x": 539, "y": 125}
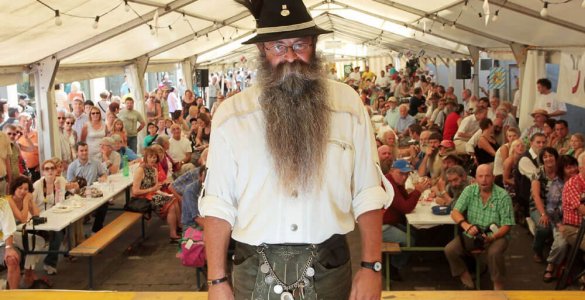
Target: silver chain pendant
{"x": 265, "y": 268}
{"x": 310, "y": 272}
{"x": 269, "y": 279}
{"x": 278, "y": 289}
{"x": 286, "y": 296}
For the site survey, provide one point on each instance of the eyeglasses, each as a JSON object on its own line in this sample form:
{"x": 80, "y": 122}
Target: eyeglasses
{"x": 282, "y": 49}
{"x": 95, "y": 113}
{"x": 49, "y": 168}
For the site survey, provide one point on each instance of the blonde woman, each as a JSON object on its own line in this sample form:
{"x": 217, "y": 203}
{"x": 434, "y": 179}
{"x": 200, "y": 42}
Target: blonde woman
{"x": 118, "y": 128}
{"x": 93, "y": 132}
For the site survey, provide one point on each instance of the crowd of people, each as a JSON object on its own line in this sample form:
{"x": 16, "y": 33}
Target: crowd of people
{"x": 434, "y": 145}
{"x": 96, "y": 139}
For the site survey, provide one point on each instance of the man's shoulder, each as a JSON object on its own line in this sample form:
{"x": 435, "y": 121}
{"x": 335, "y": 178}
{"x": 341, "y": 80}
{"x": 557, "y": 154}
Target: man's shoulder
{"x": 343, "y": 98}
{"x": 240, "y": 104}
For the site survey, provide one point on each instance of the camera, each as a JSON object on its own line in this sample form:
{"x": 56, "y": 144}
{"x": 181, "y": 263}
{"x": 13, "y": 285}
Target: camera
{"x": 36, "y": 220}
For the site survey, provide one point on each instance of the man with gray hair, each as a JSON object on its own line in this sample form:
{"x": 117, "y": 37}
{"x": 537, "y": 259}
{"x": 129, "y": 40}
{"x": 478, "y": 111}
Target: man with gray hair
{"x": 282, "y": 178}
{"x": 480, "y": 206}
{"x": 404, "y": 120}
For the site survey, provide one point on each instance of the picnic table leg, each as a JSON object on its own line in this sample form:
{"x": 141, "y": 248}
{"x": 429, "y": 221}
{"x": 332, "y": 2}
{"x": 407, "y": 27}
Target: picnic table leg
{"x": 142, "y": 228}
{"x": 90, "y": 272}
{"x": 387, "y": 255}
{"x": 127, "y": 192}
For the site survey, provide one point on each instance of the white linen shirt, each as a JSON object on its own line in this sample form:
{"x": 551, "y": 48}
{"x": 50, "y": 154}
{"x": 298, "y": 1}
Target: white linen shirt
{"x": 7, "y": 222}
{"x": 550, "y": 103}
{"x": 241, "y": 186}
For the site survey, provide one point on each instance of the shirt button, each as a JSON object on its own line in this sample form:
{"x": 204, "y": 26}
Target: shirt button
{"x": 294, "y": 227}
{"x": 295, "y": 194}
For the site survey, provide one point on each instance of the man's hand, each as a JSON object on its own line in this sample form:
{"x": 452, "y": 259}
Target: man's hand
{"x": 367, "y": 284}
{"x": 222, "y": 291}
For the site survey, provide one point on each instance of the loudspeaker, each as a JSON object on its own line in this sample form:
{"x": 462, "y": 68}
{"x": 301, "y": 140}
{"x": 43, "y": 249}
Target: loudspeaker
{"x": 463, "y": 69}
{"x": 202, "y": 77}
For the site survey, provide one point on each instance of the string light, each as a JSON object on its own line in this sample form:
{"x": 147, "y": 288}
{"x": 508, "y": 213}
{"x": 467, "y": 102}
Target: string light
{"x": 184, "y": 17}
{"x": 152, "y": 31}
{"x": 126, "y": 6}
{"x": 495, "y": 17}
{"x": 170, "y": 28}
{"x": 453, "y": 26}
{"x": 480, "y": 15}
{"x": 443, "y": 26}
{"x": 464, "y": 5}
{"x": 58, "y": 21}
{"x": 207, "y": 37}
{"x": 96, "y": 22}
{"x": 544, "y": 10}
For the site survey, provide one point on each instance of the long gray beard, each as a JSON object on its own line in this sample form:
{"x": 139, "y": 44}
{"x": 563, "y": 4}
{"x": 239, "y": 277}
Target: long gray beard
{"x": 297, "y": 115}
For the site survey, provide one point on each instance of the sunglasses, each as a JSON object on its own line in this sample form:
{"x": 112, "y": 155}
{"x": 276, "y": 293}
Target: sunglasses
{"x": 12, "y": 133}
{"x": 95, "y": 113}
{"x": 49, "y": 168}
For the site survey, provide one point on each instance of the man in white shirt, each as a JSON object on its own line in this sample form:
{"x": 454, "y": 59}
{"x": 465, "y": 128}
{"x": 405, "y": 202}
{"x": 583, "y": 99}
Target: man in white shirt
{"x": 528, "y": 167}
{"x": 291, "y": 185}
{"x": 548, "y": 100}
{"x": 180, "y": 150}
{"x": 173, "y": 101}
{"x": 354, "y": 78}
{"x": 467, "y": 128}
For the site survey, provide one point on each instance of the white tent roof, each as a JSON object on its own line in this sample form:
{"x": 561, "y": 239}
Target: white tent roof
{"x": 212, "y": 30}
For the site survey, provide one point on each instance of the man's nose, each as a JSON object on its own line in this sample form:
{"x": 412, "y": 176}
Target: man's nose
{"x": 290, "y": 55}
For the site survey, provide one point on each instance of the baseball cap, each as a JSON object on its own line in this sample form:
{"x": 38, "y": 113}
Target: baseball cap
{"x": 402, "y": 165}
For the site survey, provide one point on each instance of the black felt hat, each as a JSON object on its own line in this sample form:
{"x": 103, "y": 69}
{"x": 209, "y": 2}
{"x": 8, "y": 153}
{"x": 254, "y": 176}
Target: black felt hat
{"x": 281, "y": 19}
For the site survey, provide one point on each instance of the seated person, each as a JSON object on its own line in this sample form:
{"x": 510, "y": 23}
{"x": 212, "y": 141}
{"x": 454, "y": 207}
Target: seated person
{"x": 178, "y": 186}
{"x": 484, "y": 204}
{"x": 91, "y": 171}
{"x": 179, "y": 150}
{"x": 189, "y": 208}
{"x": 111, "y": 160}
{"x": 456, "y": 180}
{"x": 119, "y": 147}
{"x": 23, "y": 209}
{"x": 11, "y": 257}
{"x": 574, "y": 205}
{"x": 147, "y": 186}
{"x": 394, "y": 229}
{"x": 152, "y": 131}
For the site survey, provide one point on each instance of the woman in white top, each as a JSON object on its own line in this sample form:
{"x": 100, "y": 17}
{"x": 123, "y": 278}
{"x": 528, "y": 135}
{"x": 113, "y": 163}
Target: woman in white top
{"x": 93, "y": 132}
{"x": 49, "y": 189}
{"x": 23, "y": 207}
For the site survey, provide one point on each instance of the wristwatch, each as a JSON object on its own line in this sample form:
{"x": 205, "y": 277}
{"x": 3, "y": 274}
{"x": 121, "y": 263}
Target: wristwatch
{"x": 374, "y": 266}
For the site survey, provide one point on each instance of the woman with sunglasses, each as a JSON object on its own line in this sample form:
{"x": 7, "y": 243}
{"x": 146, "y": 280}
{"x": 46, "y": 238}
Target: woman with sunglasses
{"x": 69, "y": 133}
{"x": 48, "y": 191}
{"x": 93, "y": 132}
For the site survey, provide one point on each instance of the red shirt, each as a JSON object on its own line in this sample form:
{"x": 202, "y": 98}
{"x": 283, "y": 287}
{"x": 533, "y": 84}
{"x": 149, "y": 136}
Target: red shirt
{"x": 402, "y": 204}
{"x": 451, "y": 126}
{"x": 573, "y": 192}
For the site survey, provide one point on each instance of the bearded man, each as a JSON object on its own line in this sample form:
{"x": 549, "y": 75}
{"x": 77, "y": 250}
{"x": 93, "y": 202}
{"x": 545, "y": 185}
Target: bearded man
{"x": 291, "y": 168}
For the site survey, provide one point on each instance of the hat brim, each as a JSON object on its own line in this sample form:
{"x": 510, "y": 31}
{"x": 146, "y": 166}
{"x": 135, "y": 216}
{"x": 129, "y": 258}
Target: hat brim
{"x": 269, "y": 37}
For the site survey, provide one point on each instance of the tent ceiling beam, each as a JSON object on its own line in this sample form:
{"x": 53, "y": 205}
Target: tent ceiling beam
{"x": 536, "y": 14}
{"x": 437, "y": 48}
{"x": 460, "y": 26}
{"x": 106, "y": 35}
{"x": 402, "y": 23}
{"x": 181, "y": 11}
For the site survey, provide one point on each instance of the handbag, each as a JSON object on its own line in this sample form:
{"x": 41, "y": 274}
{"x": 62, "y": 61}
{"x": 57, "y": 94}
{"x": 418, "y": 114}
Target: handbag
{"x": 140, "y": 205}
{"x": 192, "y": 252}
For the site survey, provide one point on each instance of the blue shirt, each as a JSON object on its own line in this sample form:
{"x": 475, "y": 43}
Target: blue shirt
{"x": 181, "y": 183}
{"x": 190, "y": 207}
{"x": 128, "y": 152}
{"x": 91, "y": 171}
{"x": 404, "y": 123}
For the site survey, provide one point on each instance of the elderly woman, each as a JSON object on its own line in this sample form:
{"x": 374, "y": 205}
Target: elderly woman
{"x": 23, "y": 208}
{"x": 147, "y": 186}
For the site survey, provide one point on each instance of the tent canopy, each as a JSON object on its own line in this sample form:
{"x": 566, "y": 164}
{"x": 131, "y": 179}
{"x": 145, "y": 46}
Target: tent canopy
{"x": 171, "y": 31}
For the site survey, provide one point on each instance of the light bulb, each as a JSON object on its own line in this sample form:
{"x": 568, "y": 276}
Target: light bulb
{"x": 126, "y": 6}
{"x": 544, "y": 10}
{"x": 464, "y": 5}
{"x": 58, "y": 21}
{"x": 170, "y": 28}
{"x": 207, "y": 37}
{"x": 495, "y": 17}
{"x": 152, "y": 31}
{"x": 96, "y": 22}
{"x": 453, "y": 26}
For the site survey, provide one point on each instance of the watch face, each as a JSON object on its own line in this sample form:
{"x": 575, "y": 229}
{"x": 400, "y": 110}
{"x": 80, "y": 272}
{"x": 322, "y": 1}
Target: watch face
{"x": 377, "y": 266}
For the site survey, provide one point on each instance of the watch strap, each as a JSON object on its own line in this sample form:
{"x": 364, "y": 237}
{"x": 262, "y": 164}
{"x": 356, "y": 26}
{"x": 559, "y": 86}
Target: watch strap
{"x": 372, "y": 265}
{"x": 217, "y": 281}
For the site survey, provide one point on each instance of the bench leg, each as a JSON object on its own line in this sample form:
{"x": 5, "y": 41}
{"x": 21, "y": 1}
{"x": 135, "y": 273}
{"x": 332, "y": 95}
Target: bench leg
{"x": 142, "y": 228}
{"x": 90, "y": 272}
{"x": 387, "y": 255}
{"x": 477, "y": 273}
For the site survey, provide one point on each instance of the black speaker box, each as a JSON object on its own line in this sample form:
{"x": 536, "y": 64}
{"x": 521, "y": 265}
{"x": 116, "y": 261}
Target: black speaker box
{"x": 463, "y": 69}
{"x": 202, "y": 77}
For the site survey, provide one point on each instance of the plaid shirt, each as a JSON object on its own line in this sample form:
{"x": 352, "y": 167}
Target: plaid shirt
{"x": 497, "y": 210}
{"x": 573, "y": 192}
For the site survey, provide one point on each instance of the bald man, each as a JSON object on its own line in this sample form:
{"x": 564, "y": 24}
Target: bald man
{"x": 384, "y": 152}
{"x": 484, "y": 204}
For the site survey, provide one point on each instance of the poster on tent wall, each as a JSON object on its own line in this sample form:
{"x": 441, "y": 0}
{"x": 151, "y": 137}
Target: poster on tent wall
{"x": 571, "y": 85}
{"x": 498, "y": 78}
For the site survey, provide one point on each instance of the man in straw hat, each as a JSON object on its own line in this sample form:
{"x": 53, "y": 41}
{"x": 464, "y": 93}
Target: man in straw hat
{"x": 292, "y": 167}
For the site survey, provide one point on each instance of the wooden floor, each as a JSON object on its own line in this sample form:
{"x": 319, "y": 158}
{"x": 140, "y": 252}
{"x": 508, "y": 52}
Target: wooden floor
{"x": 405, "y": 295}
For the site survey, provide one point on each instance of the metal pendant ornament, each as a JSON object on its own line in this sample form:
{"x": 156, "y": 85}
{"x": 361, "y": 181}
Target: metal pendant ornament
{"x": 286, "y": 296}
{"x": 278, "y": 289}
{"x": 284, "y": 12}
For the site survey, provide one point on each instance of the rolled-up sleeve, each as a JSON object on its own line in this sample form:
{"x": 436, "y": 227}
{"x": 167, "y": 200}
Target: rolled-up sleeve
{"x": 219, "y": 200}
{"x": 368, "y": 193}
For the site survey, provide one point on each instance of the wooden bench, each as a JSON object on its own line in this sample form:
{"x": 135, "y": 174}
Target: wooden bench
{"x": 101, "y": 239}
{"x": 389, "y": 248}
